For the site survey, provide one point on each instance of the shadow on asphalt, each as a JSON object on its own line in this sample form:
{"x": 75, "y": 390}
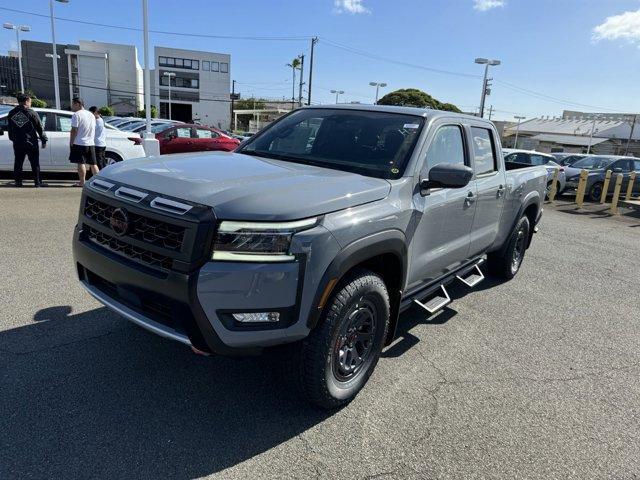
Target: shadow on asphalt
{"x": 124, "y": 403}
{"x": 90, "y": 395}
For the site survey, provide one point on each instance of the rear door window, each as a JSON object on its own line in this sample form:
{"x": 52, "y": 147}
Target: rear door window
{"x": 483, "y": 151}
{"x": 538, "y": 159}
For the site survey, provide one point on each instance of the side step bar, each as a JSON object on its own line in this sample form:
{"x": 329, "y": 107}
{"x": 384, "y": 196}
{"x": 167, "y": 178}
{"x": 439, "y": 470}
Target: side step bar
{"x": 437, "y": 302}
{"x": 472, "y": 277}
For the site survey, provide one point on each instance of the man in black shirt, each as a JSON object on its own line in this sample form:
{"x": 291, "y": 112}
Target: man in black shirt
{"x": 24, "y": 131}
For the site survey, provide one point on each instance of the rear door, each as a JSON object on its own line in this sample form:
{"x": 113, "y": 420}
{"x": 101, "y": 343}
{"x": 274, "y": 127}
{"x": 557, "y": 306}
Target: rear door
{"x": 204, "y": 139}
{"x": 444, "y": 217}
{"x": 490, "y": 187}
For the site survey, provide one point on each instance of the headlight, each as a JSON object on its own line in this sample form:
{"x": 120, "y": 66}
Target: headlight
{"x": 257, "y": 241}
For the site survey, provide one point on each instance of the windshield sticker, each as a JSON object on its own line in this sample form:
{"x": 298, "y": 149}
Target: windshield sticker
{"x": 412, "y": 125}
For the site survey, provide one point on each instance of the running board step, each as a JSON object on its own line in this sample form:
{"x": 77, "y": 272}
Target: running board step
{"x": 437, "y": 302}
{"x": 473, "y": 277}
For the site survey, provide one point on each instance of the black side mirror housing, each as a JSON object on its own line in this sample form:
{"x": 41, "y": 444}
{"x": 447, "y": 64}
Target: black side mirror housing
{"x": 446, "y": 175}
{"x": 617, "y": 170}
{"x": 1, "y": 131}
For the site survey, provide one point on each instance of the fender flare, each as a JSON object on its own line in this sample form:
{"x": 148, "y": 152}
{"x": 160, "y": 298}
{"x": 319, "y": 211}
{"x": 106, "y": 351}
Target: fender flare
{"x": 533, "y": 198}
{"x": 385, "y": 242}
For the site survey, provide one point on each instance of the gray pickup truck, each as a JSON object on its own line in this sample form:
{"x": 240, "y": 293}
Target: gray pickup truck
{"x": 317, "y": 232}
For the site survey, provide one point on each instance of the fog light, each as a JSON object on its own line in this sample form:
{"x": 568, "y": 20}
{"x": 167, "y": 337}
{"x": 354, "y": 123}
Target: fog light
{"x": 257, "y": 317}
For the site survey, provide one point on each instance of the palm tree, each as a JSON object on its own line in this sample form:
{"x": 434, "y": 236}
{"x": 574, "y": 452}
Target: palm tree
{"x": 294, "y": 65}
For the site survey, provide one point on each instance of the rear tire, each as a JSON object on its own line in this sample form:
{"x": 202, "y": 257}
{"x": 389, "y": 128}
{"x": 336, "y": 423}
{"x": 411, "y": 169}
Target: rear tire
{"x": 506, "y": 264}
{"x": 339, "y": 355}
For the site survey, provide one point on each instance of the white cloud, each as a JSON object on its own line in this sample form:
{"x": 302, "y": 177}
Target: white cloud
{"x": 625, "y": 26}
{"x": 350, "y": 6}
{"x": 484, "y": 5}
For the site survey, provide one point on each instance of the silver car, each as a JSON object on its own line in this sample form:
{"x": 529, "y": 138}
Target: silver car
{"x": 531, "y": 157}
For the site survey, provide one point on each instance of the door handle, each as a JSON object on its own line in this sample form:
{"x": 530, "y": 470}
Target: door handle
{"x": 470, "y": 198}
{"x": 500, "y": 191}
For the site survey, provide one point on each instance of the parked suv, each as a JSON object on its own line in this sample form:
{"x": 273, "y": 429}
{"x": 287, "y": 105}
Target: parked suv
{"x": 316, "y": 233}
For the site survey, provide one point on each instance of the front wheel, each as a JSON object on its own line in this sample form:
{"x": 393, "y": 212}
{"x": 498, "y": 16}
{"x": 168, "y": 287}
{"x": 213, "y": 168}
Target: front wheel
{"x": 506, "y": 264}
{"x": 111, "y": 158}
{"x": 339, "y": 355}
{"x": 595, "y": 192}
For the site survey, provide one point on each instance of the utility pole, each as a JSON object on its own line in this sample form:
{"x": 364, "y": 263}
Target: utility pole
{"x": 490, "y": 111}
{"x": 314, "y": 40}
{"x": 149, "y": 142}
{"x": 633, "y": 126}
{"x": 593, "y": 127}
{"x": 301, "y": 79}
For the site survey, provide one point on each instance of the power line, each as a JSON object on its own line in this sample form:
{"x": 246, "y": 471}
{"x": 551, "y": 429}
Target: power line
{"x": 162, "y": 32}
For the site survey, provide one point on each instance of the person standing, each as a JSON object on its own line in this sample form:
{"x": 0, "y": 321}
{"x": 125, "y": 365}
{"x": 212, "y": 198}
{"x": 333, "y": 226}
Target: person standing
{"x": 82, "y": 140}
{"x": 24, "y": 130}
{"x": 100, "y": 138}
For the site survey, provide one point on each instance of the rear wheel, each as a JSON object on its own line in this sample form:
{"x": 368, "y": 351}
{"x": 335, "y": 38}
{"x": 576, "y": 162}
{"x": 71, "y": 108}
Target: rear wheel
{"x": 339, "y": 355}
{"x": 506, "y": 264}
{"x": 111, "y": 158}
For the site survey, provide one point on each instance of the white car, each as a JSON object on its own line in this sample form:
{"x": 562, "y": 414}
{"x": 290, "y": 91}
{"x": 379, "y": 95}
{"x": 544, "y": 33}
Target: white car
{"x": 55, "y": 157}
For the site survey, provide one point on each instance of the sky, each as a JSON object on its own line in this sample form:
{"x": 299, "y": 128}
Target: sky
{"x": 556, "y": 54}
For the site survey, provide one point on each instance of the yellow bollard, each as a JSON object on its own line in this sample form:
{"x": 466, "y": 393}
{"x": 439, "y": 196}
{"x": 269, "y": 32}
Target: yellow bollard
{"x": 616, "y": 194}
{"x": 582, "y": 186}
{"x": 605, "y": 187}
{"x": 554, "y": 185}
{"x": 632, "y": 181}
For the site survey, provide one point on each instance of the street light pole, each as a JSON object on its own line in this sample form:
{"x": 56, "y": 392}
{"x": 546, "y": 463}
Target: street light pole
{"x": 55, "y": 56}
{"x": 378, "y": 86}
{"x": 487, "y": 63}
{"x": 517, "y": 117}
{"x": 18, "y": 29}
{"x": 593, "y": 127}
{"x": 337, "y": 92}
{"x": 150, "y": 143}
{"x": 169, "y": 75}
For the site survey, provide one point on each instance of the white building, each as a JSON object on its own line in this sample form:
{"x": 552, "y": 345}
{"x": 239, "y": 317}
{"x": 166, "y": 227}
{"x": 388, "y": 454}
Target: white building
{"x": 106, "y": 74}
{"x": 200, "y": 86}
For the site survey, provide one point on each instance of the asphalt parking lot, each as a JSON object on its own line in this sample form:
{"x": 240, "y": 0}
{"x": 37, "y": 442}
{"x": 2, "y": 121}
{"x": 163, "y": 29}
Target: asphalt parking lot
{"x": 534, "y": 378}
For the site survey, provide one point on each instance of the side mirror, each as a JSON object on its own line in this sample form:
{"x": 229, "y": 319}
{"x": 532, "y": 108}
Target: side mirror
{"x": 1, "y": 131}
{"x": 617, "y": 170}
{"x": 446, "y": 175}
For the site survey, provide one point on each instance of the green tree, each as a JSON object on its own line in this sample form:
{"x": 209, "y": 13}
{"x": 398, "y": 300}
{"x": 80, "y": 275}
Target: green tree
{"x": 413, "y": 97}
{"x": 143, "y": 114}
{"x": 251, "y": 103}
{"x": 107, "y": 111}
{"x": 294, "y": 65}
{"x": 37, "y": 103}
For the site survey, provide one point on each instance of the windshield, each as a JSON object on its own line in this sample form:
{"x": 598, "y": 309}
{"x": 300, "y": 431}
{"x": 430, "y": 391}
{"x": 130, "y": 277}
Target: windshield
{"x": 593, "y": 163}
{"x": 376, "y": 144}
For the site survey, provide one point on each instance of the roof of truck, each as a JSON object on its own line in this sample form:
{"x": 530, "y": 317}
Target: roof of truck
{"x": 422, "y": 112}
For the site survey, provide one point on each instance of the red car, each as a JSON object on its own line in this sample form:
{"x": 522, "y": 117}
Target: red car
{"x": 184, "y": 137}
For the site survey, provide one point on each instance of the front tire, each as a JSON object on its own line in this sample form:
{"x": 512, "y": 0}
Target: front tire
{"x": 595, "y": 192}
{"x": 111, "y": 158}
{"x": 340, "y": 354}
{"x": 506, "y": 264}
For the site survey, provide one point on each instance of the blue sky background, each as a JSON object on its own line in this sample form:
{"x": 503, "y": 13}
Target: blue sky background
{"x": 546, "y": 46}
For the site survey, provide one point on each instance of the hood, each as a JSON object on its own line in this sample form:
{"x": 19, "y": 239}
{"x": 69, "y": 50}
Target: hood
{"x": 244, "y": 187}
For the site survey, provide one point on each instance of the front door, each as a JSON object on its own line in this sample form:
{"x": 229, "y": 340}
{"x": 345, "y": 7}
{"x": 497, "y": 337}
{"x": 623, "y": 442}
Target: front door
{"x": 177, "y": 140}
{"x": 490, "y": 185}
{"x": 6, "y": 147}
{"x": 59, "y": 137}
{"x": 625, "y": 167}
{"x": 441, "y": 225}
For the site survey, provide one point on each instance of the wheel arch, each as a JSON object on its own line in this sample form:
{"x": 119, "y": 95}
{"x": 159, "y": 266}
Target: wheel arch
{"x": 384, "y": 253}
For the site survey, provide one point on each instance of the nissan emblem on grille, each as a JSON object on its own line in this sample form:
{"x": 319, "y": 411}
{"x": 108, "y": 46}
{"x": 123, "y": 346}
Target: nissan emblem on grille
{"x": 119, "y": 222}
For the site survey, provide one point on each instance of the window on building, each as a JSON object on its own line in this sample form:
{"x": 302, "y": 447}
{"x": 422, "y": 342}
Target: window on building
{"x": 224, "y": 68}
{"x": 194, "y": 83}
{"x": 171, "y": 61}
{"x": 483, "y": 150}
{"x": 186, "y": 63}
{"x": 215, "y": 66}
{"x": 179, "y": 62}
{"x": 447, "y": 146}
{"x": 206, "y": 65}
{"x": 195, "y": 64}
{"x": 162, "y": 60}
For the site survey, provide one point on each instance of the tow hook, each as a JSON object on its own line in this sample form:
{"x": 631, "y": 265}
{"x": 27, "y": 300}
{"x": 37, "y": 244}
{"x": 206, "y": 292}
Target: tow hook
{"x": 199, "y": 352}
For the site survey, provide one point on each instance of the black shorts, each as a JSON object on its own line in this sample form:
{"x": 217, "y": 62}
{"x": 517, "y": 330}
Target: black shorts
{"x": 100, "y": 158}
{"x": 82, "y": 154}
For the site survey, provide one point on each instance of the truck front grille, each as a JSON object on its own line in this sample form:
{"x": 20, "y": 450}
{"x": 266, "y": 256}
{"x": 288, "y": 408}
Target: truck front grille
{"x": 138, "y": 254}
{"x": 148, "y": 230}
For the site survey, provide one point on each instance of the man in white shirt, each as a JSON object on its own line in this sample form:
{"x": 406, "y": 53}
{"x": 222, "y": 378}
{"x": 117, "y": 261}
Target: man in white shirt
{"x": 82, "y": 140}
{"x": 100, "y": 138}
